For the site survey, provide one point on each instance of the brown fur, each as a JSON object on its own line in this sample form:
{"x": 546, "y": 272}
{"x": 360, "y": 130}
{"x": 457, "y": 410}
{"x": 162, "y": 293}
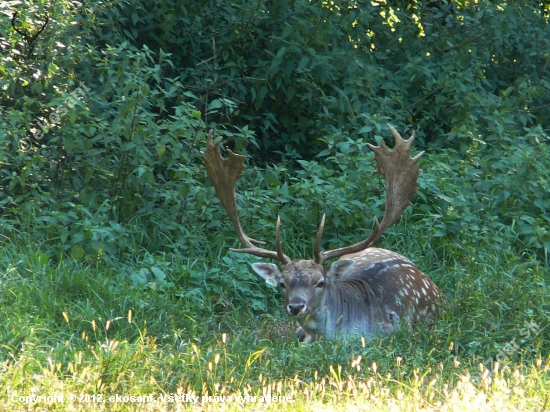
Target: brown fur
{"x": 368, "y": 293}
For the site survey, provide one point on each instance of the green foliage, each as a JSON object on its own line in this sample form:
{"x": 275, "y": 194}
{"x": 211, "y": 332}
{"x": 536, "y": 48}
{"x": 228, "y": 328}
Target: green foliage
{"x": 497, "y": 188}
{"x": 99, "y": 140}
{"x": 492, "y": 190}
{"x": 115, "y": 274}
{"x": 298, "y": 70}
{"x": 105, "y": 157}
{"x": 71, "y": 328}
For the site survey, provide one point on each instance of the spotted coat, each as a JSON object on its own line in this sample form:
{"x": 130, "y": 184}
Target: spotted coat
{"x": 368, "y": 293}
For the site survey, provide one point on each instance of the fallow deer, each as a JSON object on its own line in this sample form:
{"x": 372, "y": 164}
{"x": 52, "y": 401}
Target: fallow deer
{"x": 369, "y": 291}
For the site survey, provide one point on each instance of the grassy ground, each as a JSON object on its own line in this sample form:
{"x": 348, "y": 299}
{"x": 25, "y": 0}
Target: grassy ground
{"x": 76, "y": 337}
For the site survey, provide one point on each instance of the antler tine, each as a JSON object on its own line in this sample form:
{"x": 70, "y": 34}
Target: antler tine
{"x": 401, "y": 173}
{"x": 317, "y": 249}
{"x": 278, "y": 247}
{"x": 223, "y": 174}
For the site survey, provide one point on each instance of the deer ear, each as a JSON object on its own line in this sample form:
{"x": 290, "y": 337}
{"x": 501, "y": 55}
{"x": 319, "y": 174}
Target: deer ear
{"x": 339, "y": 269}
{"x": 269, "y": 271}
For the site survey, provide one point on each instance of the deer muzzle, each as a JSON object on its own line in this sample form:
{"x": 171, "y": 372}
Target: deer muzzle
{"x": 296, "y": 306}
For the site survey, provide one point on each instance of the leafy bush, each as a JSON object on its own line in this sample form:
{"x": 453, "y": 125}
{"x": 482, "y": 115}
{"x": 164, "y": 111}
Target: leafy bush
{"x": 99, "y": 142}
{"x": 298, "y": 70}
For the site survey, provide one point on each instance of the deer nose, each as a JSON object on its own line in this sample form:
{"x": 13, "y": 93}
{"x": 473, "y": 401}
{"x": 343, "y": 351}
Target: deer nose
{"x": 295, "y": 308}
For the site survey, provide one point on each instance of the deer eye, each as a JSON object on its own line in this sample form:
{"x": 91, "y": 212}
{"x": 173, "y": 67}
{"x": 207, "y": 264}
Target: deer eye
{"x": 321, "y": 284}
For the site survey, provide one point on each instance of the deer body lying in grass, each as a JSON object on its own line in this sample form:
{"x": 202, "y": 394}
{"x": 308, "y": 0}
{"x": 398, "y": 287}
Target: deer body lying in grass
{"x": 368, "y": 291}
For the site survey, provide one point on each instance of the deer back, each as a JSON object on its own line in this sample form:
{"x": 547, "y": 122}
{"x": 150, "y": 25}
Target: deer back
{"x": 399, "y": 287}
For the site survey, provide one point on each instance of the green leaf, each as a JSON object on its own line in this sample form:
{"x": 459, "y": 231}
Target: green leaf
{"x": 366, "y": 129}
{"x": 161, "y": 149}
{"x": 303, "y": 63}
{"x": 160, "y": 276}
{"x": 214, "y": 104}
{"x": 77, "y": 252}
{"x": 278, "y": 59}
{"x": 284, "y": 189}
{"x": 42, "y": 259}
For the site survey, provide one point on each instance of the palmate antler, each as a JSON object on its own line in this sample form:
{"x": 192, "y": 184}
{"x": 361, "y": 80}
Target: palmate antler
{"x": 223, "y": 174}
{"x": 399, "y": 170}
{"x": 401, "y": 173}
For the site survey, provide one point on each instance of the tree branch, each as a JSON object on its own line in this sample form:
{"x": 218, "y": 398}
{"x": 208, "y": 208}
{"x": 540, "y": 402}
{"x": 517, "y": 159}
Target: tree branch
{"x": 448, "y": 49}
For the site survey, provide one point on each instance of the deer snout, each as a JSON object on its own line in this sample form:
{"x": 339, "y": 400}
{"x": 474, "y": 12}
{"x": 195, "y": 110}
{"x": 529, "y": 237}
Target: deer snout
{"x": 296, "y": 307}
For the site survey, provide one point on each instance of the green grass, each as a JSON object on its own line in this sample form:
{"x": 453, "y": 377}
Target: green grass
{"x": 85, "y": 332}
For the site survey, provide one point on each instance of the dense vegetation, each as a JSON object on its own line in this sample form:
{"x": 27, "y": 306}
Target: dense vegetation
{"x": 114, "y": 260}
